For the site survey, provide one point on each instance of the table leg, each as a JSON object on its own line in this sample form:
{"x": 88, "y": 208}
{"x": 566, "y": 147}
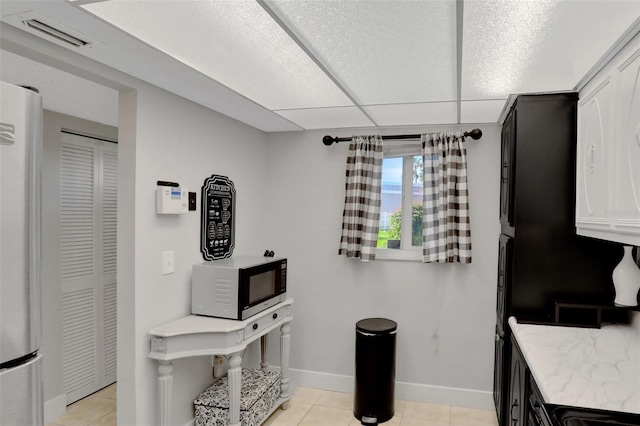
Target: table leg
{"x": 263, "y": 352}
{"x": 285, "y": 337}
{"x": 165, "y": 391}
{"x": 235, "y": 375}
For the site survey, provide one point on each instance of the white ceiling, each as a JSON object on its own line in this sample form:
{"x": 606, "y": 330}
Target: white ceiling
{"x": 287, "y": 65}
{"x": 62, "y": 92}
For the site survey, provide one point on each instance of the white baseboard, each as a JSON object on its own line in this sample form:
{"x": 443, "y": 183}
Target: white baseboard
{"x": 458, "y": 397}
{"x": 55, "y": 407}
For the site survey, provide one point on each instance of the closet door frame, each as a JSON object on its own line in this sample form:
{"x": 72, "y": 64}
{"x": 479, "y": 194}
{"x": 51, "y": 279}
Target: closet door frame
{"x": 90, "y": 374}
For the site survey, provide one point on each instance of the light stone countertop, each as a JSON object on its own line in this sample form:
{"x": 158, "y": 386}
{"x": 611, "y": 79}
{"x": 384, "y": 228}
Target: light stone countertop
{"x": 584, "y": 367}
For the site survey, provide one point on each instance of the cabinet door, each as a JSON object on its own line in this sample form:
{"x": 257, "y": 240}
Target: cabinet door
{"x": 626, "y": 188}
{"x": 498, "y": 375}
{"x": 504, "y": 266}
{"x": 595, "y": 133}
{"x": 518, "y": 398}
{"x": 507, "y": 172}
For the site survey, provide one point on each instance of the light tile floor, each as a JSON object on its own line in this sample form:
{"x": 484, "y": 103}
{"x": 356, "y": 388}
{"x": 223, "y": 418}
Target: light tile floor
{"x": 98, "y": 409}
{"x": 315, "y": 407}
{"x": 308, "y": 407}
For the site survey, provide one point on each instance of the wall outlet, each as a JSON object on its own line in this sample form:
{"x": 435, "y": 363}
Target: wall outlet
{"x": 168, "y": 262}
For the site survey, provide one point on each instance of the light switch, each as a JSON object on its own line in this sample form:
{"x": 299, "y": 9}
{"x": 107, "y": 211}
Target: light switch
{"x": 168, "y": 263}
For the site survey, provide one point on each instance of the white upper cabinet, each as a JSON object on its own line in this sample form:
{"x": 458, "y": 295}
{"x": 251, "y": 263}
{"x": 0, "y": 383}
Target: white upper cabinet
{"x": 595, "y": 132}
{"x": 627, "y": 194}
{"x": 608, "y": 156}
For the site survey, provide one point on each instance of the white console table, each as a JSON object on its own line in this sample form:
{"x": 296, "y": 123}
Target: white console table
{"x": 196, "y": 335}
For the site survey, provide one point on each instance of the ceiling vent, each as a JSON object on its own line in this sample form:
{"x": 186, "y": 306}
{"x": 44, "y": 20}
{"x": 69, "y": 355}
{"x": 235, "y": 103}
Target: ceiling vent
{"x": 46, "y": 29}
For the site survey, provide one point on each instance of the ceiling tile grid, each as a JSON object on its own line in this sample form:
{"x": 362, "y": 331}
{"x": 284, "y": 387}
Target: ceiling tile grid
{"x": 414, "y": 114}
{"x": 327, "y": 118}
{"x": 382, "y": 51}
{"x": 234, "y": 42}
{"x": 314, "y": 64}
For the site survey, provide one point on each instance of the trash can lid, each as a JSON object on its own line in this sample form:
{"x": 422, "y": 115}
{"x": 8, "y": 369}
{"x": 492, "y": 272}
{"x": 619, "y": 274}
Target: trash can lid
{"x": 376, "y": 325}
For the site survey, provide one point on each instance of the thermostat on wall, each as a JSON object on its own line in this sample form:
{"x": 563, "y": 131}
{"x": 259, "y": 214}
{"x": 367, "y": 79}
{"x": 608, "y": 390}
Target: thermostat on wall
{"x": 172, "y": 200}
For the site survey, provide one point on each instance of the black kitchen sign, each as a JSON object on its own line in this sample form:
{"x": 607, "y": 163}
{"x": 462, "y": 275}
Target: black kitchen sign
{"x": 218, "y": 218}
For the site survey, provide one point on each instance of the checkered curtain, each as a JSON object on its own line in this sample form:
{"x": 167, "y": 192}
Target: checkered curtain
{"x": 361, "y": 215}
{"x": 446, "y": 232}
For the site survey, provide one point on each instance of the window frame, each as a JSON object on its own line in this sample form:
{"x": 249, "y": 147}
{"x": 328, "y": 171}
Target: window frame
{"x": 406, "y": 252}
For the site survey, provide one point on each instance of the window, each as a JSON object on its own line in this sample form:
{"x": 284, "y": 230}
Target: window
{"x": 400, "y": 235}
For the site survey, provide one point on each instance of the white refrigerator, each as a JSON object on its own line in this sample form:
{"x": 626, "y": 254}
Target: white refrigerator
{"x": 21, "y": 400}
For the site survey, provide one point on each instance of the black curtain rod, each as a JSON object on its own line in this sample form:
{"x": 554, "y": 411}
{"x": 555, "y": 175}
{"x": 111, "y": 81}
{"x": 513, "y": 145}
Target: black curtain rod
{"x": 328, "y": 140}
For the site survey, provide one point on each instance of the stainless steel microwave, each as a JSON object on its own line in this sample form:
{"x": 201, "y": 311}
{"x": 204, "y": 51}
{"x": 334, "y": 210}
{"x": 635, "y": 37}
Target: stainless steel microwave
{"x": 238, "y": 287}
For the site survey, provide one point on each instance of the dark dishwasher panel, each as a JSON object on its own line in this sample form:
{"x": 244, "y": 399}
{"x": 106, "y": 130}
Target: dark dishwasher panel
{"x": 574, "y": 416}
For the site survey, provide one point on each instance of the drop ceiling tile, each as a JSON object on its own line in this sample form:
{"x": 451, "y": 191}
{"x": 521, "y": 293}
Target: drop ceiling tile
{"x": 234, "y": 42}
{"x": 381, "y": 51}
{"x": 376, "y": 49}
{"x": 414, "y": 114}
{"x": 327, "y": 118}
{"x": 537, "y": 46}
{"x": 481, "y": 111}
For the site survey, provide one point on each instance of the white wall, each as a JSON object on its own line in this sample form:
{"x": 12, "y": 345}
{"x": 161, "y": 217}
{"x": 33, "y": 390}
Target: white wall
{"x": 332, "y": 293}
{"x": 164, "y": 137}
{"x": 290, "y": 192}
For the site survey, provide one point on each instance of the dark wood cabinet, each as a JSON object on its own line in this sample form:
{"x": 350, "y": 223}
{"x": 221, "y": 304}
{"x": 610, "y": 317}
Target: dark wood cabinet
{"x": 498, "y": 379}
{"x": 525, "y": 401}
{"x": 506, "y": 174}
{"x": 517, "y": 411}
{"x": 548, "y": 260}
{"x": 541, "y": 259}
{"x": 504, "y": 280}
{"x": 502, "y": 332}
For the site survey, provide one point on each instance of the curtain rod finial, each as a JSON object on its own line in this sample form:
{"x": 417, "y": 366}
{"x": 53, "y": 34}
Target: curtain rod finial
{"x": 475, "y": 134}
{"x": 327, "y": 140}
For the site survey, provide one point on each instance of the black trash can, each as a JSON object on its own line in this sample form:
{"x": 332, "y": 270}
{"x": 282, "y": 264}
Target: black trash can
{"x": 375, "y": 370}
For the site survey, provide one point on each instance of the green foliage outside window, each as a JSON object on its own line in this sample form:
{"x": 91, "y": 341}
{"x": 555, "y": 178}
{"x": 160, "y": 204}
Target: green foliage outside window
{"x": 395, "y": 225}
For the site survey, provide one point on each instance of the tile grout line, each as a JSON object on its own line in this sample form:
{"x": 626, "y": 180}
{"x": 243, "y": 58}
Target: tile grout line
{"x": 97, "y": 420}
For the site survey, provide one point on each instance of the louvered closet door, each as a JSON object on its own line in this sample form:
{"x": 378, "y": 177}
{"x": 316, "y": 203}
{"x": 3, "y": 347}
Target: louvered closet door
{"x": 88, "y": 188}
